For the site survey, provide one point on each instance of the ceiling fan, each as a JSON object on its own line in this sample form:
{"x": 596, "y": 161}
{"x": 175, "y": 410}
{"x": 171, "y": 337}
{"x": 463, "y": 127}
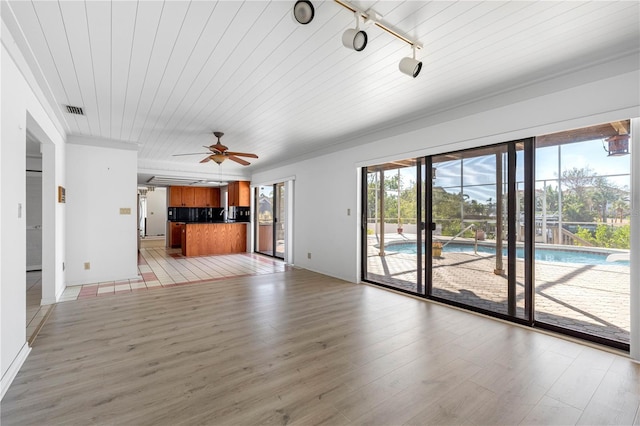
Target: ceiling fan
{"x": 218, "y": 153}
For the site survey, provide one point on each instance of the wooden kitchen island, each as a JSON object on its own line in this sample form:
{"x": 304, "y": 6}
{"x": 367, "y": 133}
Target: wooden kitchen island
{"x": 201, "y": 239}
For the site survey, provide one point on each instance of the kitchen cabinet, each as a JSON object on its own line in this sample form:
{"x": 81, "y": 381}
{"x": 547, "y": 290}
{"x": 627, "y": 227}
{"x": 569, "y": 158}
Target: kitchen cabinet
{"x": 190, "y": 196}
{"x": 175, "y": 196}
{"x": 202, "y": 239}
{"x": 207, "y": 197}
{"x": 239, "y": 193}
{"x": 175, "y": 233}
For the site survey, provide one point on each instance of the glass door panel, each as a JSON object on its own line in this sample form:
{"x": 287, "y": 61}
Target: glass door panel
{"x": 582, "y": 211}
{"x": 272, "y": 219}
{"x": 470, "y": 256}
{"x": 264, "y": 224}
{"x": 280, "y": 220}
{"x": 392, "y": 248}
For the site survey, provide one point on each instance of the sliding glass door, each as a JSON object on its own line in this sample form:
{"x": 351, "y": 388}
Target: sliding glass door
{"x": 536, "y": 231}
{"x": 271, "y": 220}
{"x": 478, "y": 234}
{"x": 393, "y": 238}
{"x": 583, "y": 233}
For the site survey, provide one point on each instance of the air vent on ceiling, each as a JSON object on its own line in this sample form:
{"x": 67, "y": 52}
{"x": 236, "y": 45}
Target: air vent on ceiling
{"x": 74, "y": 110}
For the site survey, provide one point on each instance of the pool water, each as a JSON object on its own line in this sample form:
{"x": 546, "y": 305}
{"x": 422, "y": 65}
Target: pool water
{"x": 547, "y": 255}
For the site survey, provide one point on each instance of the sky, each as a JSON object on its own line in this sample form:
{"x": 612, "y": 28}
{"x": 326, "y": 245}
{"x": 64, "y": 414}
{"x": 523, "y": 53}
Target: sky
{"x": 481, "y": 170}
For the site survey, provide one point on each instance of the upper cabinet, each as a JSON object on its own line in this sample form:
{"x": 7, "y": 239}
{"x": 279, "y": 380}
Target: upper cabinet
{"x": 175, "y": 196}
{"x": 190, "y": 196}
{"x": 239, "y": 194}
{"x": 207, "y": 197}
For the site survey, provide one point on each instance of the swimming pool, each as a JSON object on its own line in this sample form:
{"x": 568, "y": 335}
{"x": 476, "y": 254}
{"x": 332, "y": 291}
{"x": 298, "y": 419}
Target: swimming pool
{"x": 544, "y": 254}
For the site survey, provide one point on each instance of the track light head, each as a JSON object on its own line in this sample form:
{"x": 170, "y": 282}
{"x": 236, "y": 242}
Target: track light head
{"x": 303, "y": 12}
{"x": 410, "y": 66}
{"x": 355, "y": 39}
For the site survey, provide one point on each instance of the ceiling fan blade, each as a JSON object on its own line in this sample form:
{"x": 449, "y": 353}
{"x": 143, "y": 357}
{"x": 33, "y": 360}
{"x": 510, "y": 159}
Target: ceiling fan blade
{"x": 192, "y": 153}
{"x": 238, "y": 160}
{"x": 242, "y": 154}
{"x": 213, "y": 149}
{"x": 204, "y": 160}
{"x": 219, "y": 147}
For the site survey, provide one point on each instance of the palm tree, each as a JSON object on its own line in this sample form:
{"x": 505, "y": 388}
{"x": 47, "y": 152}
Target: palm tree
{"x": 620, "y": 207}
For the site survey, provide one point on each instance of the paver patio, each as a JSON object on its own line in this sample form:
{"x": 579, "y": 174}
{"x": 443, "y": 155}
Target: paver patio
{"x": 592, "y": 299}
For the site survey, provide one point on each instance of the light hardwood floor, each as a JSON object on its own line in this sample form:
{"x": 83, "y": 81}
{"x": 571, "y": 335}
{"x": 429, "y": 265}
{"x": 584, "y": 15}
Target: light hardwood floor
{"x": 301, "y": 348}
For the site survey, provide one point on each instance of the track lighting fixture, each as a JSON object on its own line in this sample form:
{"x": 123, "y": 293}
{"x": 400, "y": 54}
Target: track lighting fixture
{"x": 303, "y": 11}
{"x": 354, "y": 38}
{"x": 410, "y": 66}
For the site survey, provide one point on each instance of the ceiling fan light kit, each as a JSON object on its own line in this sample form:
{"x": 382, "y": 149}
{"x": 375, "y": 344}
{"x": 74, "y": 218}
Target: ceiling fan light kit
{"x": 218, "y": 158}
{"x": 356, "y": 39}
{"x": 219, "y": 153}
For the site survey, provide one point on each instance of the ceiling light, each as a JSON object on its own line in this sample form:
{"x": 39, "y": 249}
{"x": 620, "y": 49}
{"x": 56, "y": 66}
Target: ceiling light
{"x": 218, "y": 158}
{"x": 303, "y": 11}
{"x": 354, "y": 38}
{"x": 618, "y": 145}
{"x": 410, "y": 66}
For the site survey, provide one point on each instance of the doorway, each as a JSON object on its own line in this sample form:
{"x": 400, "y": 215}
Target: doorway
{"x": 271, "y": 220}
{"x": 152, "y": 216}
{"x": 33, "y": 219}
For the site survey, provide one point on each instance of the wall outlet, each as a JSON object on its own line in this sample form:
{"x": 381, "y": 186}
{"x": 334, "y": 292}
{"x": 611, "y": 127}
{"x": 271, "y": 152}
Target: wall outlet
{"x": 87, "y": 265}
{"x": 125, "y": 210}
{"x": 309, "y": 255}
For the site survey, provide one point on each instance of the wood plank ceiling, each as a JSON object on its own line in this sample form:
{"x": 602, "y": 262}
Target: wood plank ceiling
{"x": 165, "y": 74}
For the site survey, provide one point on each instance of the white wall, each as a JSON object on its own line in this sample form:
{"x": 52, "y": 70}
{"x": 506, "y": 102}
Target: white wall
{"x": 21, "y": 109}
{"x": 100, "y": 182}
{"x": 327, "y": 185}
{"x": 157, "y": 212}
{"x": 53, "y": 216}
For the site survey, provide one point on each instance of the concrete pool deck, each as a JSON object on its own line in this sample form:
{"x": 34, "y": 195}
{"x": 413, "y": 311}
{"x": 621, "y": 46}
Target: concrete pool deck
{"x": 593, "y": 299}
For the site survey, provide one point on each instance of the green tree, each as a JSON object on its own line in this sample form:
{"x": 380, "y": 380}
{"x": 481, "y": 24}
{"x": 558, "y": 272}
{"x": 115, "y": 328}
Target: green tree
{"x": 607, "y": 236}
{"x": 604, "y": 193}
{"x": 577, "y": 181}
{"x": 551, "y": 198}
{"x": 576, "y": 208}
{"x": 446, "y": 209}
{"x": 620, "y": 207}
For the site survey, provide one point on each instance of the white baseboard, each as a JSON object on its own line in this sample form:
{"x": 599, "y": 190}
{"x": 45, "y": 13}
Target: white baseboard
{"x": 44, "y": 302}
{"x": 13, "y": 369}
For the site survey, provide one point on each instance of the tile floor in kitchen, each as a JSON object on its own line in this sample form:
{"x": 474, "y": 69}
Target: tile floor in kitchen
{"x": 160, "y": 267}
